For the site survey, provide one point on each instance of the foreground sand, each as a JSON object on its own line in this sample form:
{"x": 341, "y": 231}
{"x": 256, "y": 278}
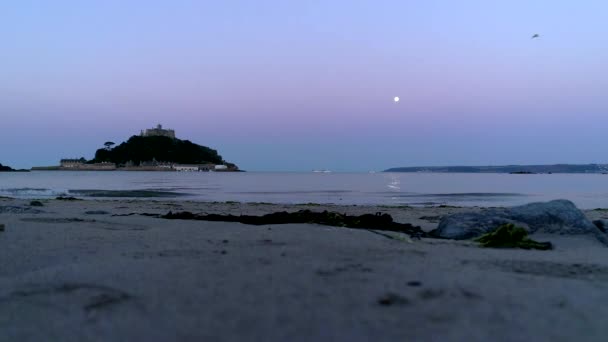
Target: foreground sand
{"x": 70, "y": 276}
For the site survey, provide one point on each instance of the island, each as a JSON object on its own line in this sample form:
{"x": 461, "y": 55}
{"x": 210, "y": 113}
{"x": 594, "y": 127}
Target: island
{"x": 512, "y": 169}
{"x": 155, "y": 149}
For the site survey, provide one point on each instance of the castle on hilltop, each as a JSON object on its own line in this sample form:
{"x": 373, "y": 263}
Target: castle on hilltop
{"x": 158, "y": 132}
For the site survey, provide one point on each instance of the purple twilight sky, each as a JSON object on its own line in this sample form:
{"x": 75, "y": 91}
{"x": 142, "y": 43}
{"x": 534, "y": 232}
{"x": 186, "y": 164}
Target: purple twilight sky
{"x": 301, "y": 85}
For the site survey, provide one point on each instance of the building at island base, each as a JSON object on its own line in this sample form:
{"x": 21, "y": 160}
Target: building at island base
{"x": 153, "y": 165}
{"x": 186, "y": 168}
{"x": 72, "y": 163}
{"x": 81, "y": 165}
{"x": 200, "y": 168}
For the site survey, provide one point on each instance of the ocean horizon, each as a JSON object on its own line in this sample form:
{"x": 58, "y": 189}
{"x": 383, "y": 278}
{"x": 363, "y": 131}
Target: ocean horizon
{"x": 345, "y": 188}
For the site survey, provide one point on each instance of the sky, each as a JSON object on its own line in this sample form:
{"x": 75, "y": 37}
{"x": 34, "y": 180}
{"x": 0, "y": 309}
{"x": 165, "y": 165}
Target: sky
{"x": 301, "y": 85}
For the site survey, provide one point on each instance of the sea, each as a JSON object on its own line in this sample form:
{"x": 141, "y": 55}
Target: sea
{"x": 587, "y": 191}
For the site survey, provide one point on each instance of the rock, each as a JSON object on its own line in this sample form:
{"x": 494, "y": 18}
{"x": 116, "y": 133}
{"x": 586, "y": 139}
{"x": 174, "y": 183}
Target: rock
{"x": 462, "y": 226}
{"x": 392, "y": 299}
{"x": 36, "y": 204}
{"x": 601, "y": 224}
{"x": 96, "y": 212}
{"x": 554, "y": 217}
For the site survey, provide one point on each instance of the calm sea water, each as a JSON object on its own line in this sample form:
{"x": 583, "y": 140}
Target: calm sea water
{"x": 586, "y": 190}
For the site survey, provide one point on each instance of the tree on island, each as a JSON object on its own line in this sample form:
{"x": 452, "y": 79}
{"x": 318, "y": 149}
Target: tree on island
{"x": 141, "y": 149}
{"x": 109, "y": 145}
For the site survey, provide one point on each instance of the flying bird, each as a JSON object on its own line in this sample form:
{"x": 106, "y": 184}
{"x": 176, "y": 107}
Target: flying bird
{"x": 536, "y": 35}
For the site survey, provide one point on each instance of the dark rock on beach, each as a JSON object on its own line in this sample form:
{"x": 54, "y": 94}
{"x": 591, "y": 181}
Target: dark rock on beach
{"x": 96, "y": 212}
{"x": 602, "y": 225}
{"x": 36, "y": 204}
{"x": 554, "y": 217}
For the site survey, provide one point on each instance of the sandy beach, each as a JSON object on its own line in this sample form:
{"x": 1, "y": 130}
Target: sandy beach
{"x": 99, "y": 271}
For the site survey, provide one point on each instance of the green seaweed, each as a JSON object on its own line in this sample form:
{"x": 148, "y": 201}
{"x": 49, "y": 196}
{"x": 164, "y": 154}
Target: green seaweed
{"x": 511, "y": 236}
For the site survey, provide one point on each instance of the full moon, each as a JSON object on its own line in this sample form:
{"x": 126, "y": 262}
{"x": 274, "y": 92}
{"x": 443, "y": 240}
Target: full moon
{"x": 396, "y": 99}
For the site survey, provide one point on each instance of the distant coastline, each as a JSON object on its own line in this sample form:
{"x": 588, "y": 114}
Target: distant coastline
{"x": 512, "y": 169}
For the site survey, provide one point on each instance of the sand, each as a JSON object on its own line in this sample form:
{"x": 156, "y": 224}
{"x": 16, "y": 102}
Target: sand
{"x": 70, "y": 276}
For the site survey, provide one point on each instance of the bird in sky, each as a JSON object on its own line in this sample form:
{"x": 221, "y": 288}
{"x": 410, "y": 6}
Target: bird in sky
{"x": 536, "y": 35}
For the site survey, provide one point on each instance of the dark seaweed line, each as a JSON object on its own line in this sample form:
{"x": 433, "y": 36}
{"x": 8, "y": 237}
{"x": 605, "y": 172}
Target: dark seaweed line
{"x": 378, "y": 221}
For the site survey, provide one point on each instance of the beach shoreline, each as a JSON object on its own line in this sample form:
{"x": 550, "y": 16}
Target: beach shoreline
{"x": 97, "y": 270}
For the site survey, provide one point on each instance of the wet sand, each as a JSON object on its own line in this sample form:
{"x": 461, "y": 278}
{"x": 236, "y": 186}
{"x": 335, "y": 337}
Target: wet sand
{"x": 66, "y": 275}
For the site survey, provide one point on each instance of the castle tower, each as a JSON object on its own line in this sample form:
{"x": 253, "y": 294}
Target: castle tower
{"x": 158, "y": 131}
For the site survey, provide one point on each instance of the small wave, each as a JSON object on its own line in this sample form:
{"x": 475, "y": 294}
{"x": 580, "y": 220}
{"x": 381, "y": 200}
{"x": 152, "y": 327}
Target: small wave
{"x": 127, "y": 193}
{"x": 188, "y": 188}
{"x": 426, "y": 204}
{"x": 294, "y": 192}
{"x": 29, "y": 192}
{"x": 25, "y": 189}
{"x": 463, "y": 195}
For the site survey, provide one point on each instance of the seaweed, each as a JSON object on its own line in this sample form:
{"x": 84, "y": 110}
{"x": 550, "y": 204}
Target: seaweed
{"x": 511, "y": 236}
{"x": 67, "y": 198}
{"x": 378, "y": 221}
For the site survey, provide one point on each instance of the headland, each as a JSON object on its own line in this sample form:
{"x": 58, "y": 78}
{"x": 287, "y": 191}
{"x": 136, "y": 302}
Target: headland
{"x": 513, "y": 169}
{"x": 4, "y": 168}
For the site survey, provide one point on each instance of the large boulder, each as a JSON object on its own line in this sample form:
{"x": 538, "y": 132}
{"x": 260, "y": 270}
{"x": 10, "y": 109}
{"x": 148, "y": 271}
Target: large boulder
{"x": 554, "y": 217}
{"x": 462, "y": 226}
